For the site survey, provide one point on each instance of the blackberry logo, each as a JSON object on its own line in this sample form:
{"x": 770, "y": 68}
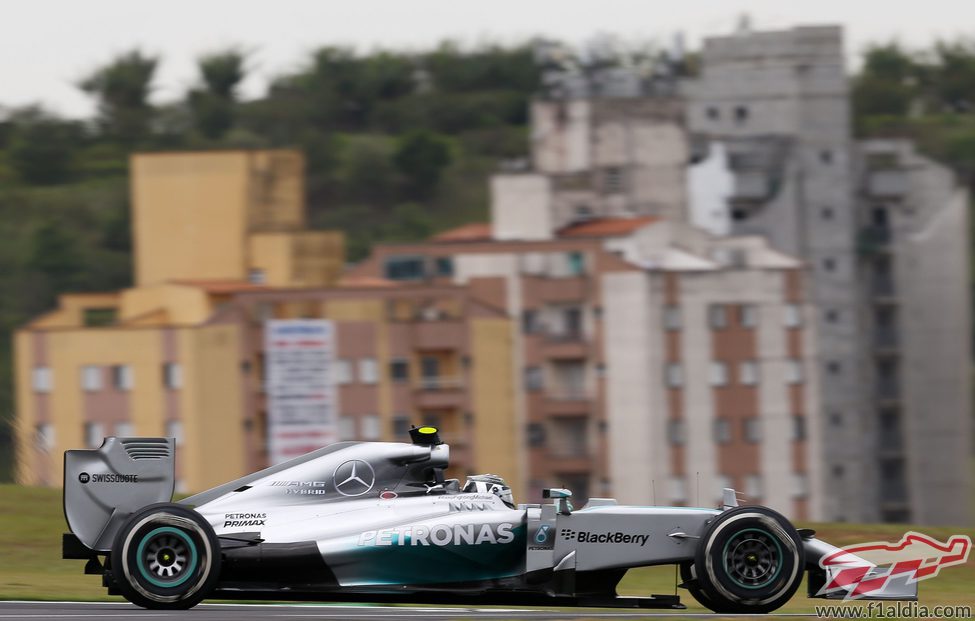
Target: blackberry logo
{"x": 584, "y": 536}
{"x": 84, "y": 477}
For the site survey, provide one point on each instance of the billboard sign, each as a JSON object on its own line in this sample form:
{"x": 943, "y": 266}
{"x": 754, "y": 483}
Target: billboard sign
{"x": 302, "y": 400}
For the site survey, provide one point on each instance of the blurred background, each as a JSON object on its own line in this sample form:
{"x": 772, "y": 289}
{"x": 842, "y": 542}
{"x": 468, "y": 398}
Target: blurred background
{"x": 634, "y": 254}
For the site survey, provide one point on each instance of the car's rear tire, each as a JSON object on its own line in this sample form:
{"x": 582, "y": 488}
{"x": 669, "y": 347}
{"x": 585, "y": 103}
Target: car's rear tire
{"x": 166, "y": 556}
{"x": 750, "y": 560}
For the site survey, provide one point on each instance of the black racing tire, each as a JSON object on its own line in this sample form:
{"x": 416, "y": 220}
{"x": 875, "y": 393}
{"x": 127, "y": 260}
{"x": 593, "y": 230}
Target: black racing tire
{"x": 750, "y": 560}
{"x": 166, "y": 556}
{"x": 689, "y": 578}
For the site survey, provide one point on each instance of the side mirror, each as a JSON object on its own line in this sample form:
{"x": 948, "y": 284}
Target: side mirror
{"x": 561, "y": 497}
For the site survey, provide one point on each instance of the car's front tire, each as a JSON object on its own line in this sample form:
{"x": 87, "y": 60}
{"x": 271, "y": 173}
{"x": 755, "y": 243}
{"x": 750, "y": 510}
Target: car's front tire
{"x": 166, "y": 556}
{"x": 749, "y": 560}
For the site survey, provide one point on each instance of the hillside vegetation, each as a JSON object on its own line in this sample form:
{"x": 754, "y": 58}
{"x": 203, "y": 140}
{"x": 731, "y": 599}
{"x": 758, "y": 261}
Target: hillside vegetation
{"x": 399, "y": 145}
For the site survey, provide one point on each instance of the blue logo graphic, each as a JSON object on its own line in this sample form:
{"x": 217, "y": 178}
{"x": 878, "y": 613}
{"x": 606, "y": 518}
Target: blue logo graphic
{"x": 542, "y": 535}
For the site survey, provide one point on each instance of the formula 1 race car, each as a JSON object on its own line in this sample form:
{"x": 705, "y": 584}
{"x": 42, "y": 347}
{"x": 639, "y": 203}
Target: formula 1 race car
{"x": 377, "y": 521}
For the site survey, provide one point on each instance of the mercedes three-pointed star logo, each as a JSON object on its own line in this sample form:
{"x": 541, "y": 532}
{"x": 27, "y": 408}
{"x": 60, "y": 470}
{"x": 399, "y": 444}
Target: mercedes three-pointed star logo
{"x": 354, "y": 478}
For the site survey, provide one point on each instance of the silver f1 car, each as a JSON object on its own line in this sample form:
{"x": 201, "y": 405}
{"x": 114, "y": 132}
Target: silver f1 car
{"x": 377, "y": 521}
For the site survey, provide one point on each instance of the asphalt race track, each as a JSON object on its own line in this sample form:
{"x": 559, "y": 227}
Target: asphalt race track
{"x": 237, "y": 612}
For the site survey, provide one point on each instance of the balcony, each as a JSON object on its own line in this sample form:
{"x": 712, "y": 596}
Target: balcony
{"x": 571, "y": 344}
{"x": 568, "y": 400}
{"x": 752, "y": 186}
{"x": 883, "y": 287}
{"x": 874, "y": 240}
{"x": 887, "y": 391}
{"x": 439, "y": 392}
{"x": 886, "y": 341}
{"x": 447, "y": 334}
{"x": 891, "y": 183}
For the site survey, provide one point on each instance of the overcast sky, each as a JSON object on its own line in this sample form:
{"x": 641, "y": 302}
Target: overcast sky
{"x": 45, "y": 45}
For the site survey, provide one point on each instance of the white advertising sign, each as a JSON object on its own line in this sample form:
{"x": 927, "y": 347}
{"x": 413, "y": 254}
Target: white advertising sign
{"x": 302, "y": 401}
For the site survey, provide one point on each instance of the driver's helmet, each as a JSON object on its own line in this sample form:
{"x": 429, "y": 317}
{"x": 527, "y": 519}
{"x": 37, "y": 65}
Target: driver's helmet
{"x": 489, "y": 484}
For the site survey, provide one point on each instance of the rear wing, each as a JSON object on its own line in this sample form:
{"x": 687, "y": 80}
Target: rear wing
{"x": 104, "y": 486}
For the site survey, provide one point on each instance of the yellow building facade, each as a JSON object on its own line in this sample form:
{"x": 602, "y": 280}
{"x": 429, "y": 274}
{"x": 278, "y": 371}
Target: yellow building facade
{"x": 220, "y": 249}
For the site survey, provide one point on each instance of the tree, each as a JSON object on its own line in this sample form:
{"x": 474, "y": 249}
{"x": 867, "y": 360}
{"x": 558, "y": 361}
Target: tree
{"x": 42, "y": 148}
{"x": 422, "y": 156}
{"x": 55, "y": 253}
{"x": 954, "y": 79}
{"x": 887, "y": 83}
{"x": 214, "y": 104}
{"x": 122, "y": 89}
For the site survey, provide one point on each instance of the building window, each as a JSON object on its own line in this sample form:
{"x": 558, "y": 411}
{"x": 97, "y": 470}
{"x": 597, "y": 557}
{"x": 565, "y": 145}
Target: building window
{"x": 748, "y": 373}
{"x": 675, "y": 432}
{"x": 678, "y": 490}
{"x": 346, "y": 428}
{"x": 256, "y": 276}
{"x": 674, "y": 374}
{"x": 94, "y": 435}
{"x": 533, "y": 378}
{"x": 834, "y": 367}
{"x": 172, "y": 375}
{"x": 368, "y": 371}
{"x": 719, "y": 374}
{"x": 124, "y": 430}
{"x": 529, "y": 321}
{"x": 401, "y": 426}
{"x": 836, "y": 419}
{"x": 96, "y": 317}
{"x": 741, "y": 115}
{"x": 444, "y": 266}
{"x": 793, "y": 371}
{"x": 614, "y": 180}
{"x": 174, "y": 430}
{"x": 829, "y": 264}
{"x": 713, "y": 113}
{"x": 838, "y": 471}
{"x": 399, "y": 370}
{"x": 45, "y": 436}
{"x": 832, "y": 316}
{"x": 748, "y": 315}
{"x": 722, "y": 431}
{"x": 342, "y": 372}
{"x": 800, "y": 485}
{"x": 370, "y": 427}
{"x": 826, "y": 213}
{"x": 122, "y": 377}
{"x": 536, "y": 434}
{"x": 91, "y": 378}
{"x": 753, "y": 429}
{"x": 405, "y": 268}
{"x": 583, "y": 212}
{"x": 793, "y": 316}
{"x": 577, "y": 263}
{"x": 672, "y": 320}
{"x": 798, "y": 428}
{"x": 717, "y": 316}
{"x": 826, "y": 156}
{"x": 753, "y": 486}
{"x": 42, "y": 379}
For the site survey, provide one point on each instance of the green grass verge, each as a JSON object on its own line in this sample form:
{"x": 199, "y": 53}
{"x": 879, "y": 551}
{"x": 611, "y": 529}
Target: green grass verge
{"x": 31, "y": 523}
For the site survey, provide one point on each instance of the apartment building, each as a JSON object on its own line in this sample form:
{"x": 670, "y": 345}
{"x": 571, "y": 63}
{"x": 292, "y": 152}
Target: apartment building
{"x": 654, "y": 362}
{"x": 885, "y": 232}
{"x": 188, "y": 357}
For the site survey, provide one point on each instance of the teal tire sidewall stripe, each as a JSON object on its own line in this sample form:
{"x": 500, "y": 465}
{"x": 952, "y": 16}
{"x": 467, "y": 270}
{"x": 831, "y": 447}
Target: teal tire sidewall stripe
{"x": 141, "y": 561}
